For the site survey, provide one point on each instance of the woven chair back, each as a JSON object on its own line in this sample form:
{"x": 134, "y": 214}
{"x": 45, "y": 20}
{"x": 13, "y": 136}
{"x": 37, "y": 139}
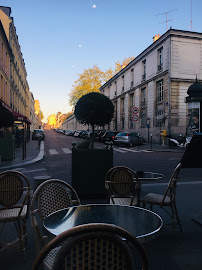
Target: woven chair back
{"x": 97, "y": 250}
{"x": 121, "y": 181}
{"x": 52, "y": 197}
{"x": 95, "y": 246}
{"x": 11, "y": 188}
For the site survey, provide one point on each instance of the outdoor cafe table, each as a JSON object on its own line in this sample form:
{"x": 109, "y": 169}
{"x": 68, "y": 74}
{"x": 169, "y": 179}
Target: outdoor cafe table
{"x": 140, "y": 222}
{"x": 146, "y": 176}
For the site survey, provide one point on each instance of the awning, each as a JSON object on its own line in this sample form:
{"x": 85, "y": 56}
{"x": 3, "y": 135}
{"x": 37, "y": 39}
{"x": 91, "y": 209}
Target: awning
{"x": 5, "y": 106}
{"x": 17, "y": 116}
{"x": 21, "y": 117}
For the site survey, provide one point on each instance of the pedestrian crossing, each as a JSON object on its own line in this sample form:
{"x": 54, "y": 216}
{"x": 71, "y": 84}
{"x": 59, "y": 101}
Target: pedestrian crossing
{"x": 116, "y": 149}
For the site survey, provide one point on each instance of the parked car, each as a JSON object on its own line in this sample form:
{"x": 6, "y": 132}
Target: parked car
{"x": 130, "y": 139}
{"x": 78, "y": 133}
{"x": 85, "y": 134}
{"x": 109, "y": 136}
{"x": 69, "y": 132}
{"x": 38, "y": 134}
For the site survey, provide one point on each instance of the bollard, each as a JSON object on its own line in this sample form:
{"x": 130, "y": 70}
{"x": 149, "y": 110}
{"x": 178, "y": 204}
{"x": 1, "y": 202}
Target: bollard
{"x": 151, "y": 141}
{"x": 39, "y": 142}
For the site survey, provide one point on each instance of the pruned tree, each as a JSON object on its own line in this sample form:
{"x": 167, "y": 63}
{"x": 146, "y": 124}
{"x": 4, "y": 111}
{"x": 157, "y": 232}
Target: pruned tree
{"x": 94, "y": 109}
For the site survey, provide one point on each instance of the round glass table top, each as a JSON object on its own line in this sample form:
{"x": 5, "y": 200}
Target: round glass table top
{"x": 140, "y": 222}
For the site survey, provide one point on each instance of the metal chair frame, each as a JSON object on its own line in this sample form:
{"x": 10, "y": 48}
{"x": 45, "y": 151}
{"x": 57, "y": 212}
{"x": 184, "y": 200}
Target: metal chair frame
{"x": 50, "y": 196}
{"x": 122, "y": 186}
{"x": 94, "y": 246}
{"x": 168, "y": 199}
{"x": 14, "y": 205}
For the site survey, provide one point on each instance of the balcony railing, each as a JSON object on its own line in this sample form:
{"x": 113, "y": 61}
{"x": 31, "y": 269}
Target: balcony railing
{"x": 160, "y": 66}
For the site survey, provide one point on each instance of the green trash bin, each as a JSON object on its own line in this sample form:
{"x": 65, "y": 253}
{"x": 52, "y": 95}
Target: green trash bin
{"x": 7, "y": 148}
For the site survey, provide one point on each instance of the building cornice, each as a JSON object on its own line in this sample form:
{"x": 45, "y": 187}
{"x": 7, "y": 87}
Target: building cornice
{"x": 153, "y": 46}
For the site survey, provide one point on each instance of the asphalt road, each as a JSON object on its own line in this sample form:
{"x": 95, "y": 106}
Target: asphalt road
{"x": 57, "y": 159}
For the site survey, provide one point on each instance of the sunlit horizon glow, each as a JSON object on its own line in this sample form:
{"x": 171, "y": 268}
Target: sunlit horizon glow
{"x": 60, "y": 40}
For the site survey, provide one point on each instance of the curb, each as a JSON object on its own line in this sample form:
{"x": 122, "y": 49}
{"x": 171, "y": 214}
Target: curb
{"x": 26, "y": 163}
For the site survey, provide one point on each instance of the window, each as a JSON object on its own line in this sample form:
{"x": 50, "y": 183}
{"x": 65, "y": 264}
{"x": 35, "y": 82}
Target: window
{"x": 143, "y": 119}
{"x": 132, "y": 77}
{"x": 160, "y": 91}
{"x": 130, "y": 108}
{"x": 143, "y": 70}
{"x": 122, "y": 83}
{"x": 143, "y": 97}
{"x": 159, "y": 118}
{"x": 160, "y": 59}
{"x": 115, "y": 93}
{"x": 122, "y": 113}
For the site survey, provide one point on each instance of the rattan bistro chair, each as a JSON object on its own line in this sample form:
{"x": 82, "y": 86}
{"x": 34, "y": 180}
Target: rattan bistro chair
{"x": 168, "y": 199}
{"x": 14, "y": 206}
{"x": 50, "y": 196}
{"x": 95, "y": 246}
{"x": 121, "y": 184}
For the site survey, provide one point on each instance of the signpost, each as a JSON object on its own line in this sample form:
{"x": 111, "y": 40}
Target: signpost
{"x": 135, "y": 114}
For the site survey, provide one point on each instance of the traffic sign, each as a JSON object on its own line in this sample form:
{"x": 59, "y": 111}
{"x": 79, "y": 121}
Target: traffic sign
{"x": 135, "y": 110}
{"x": 135, "y": 117}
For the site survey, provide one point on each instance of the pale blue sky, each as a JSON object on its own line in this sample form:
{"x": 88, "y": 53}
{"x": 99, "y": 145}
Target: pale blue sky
{"x": 59, "y": 39}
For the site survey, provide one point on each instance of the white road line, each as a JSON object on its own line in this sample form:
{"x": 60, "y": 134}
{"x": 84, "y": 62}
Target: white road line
{"x": 53, "y": 152}
{"x": 119, "y": 150}
{"x": 66, "y": 150}
{"x": 131, "y": 150}
{"x": 134, "y": 150}
{"x": 37, "y": 170}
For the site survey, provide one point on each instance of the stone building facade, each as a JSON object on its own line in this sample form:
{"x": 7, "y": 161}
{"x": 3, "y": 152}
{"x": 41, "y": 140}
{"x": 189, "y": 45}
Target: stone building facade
{"x": 149, "y": 92}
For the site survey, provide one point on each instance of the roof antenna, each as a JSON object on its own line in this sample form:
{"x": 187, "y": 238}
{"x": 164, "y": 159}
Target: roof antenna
{"x": 166, "y": 13}
{"x": 191, "y": 17}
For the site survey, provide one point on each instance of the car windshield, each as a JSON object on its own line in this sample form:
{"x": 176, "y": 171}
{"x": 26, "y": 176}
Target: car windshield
{"x": 39, "y": 131}
{"x": 122, "y": 134}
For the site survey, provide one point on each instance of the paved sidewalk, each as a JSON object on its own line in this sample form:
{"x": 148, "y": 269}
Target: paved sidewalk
{"x": 34, "y": 153}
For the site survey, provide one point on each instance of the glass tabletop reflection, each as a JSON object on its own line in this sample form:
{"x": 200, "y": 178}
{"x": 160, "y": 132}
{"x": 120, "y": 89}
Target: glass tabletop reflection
{"x": 140, "y": 222}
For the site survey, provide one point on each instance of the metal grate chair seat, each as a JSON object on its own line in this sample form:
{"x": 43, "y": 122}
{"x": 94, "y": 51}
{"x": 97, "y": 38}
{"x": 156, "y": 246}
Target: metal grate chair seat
{"x": 156, "y": 199}
{"x": 13, "y": 214}
{"x": 124, "y": 201}
{"x": 168, "y": 199}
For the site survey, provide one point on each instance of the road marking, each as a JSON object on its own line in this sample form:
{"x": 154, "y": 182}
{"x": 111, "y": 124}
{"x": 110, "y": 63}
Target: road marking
{"x": 53, "y": 152}
{"x": 119, "y": 150}
{"x": 30, "y": 171}
{"x": 135, "y": 150}
{"x": 67, "y": 150}
{"x": 129, "y": 150}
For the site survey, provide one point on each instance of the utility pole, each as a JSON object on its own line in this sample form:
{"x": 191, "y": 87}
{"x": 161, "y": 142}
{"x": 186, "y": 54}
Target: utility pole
{"x": 166, "y": 13}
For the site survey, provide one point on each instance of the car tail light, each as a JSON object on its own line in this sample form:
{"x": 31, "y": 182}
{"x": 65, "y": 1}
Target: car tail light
{"x": 113, "y": 137}
{"x": 127, "y": 134}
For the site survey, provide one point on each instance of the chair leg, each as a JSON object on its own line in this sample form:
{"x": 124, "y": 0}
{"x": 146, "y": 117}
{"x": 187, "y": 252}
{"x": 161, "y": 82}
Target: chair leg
{"x": 20, "y": 235}
{"x": 143, "y": 204}
{"x": 177, "y": 216}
